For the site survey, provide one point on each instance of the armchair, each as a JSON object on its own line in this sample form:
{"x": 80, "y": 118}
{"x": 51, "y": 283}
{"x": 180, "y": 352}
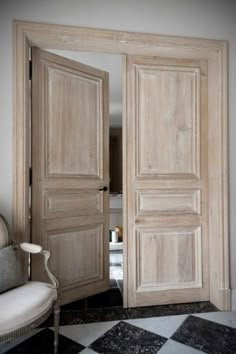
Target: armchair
{"x": 24, "y": 306}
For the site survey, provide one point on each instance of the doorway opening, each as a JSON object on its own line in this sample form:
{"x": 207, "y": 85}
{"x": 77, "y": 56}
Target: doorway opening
{"x": 116, "y": 208}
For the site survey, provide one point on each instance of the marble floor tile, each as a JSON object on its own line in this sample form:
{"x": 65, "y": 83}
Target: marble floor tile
{"x": 208, "y": 336}
{"x": 103, "y": 314}
{"x": 7, "y": 346}
{"x": 164, "y": 326}
{"x": 76, "y": 305}
{"x": 189, "y": 334}
{"x": 42, "y": 343}
{"x": 224, "y": 318}
{"x": 172, "y": 347}
{"x": 128, "y": 339}
{"x": 85, "y": 334}
{"x": 108, "y": 298}
{"x": 88, "y": 351}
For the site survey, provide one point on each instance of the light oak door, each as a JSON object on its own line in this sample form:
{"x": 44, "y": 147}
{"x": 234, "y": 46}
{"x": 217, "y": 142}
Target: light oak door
{"x": 167, "y": 180}
{"x": 70, "y": 137}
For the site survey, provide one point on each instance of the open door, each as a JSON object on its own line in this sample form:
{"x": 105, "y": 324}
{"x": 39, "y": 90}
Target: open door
{"x": 167, "y": 180}
{"x": 70, "y": 172}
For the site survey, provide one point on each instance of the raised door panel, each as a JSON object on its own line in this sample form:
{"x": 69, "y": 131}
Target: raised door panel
{"x": 174, "y": 259}
{"x": 167, "y": 180}
{"x": 85, "y": 244}
{"x": 168, "y": 202}
{"x": 170, "y": 120}
{"x": 74, "y": 123}
{"x": 58, "y": 203}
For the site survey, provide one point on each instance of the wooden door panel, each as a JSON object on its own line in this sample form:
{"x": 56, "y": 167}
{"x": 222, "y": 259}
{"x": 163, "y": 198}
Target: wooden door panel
{"x": 170, "y": 120}
{"x": 61, "y": 203}
{"x": 70, "y": 139}
{"x": 74, "y": 123}
{"x": 167, "y": 181}
{"x": 174, "y": 259}
{"x": 83, "y": 243}
{"x": 157, "y": 202}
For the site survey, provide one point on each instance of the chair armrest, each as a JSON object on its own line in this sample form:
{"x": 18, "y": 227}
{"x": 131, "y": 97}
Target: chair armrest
{"x": 34, "y": 249}
{"x": 54, "y": 280}
{"x": 30, "y": 247}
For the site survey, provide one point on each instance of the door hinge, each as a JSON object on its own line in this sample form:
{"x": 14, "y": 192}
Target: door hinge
{"x": 30, "y": 70}
{"x": 30, "y": 176}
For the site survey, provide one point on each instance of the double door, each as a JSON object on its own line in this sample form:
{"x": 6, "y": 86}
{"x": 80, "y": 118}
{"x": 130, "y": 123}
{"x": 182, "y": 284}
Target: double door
{"x": 165, "y": 156}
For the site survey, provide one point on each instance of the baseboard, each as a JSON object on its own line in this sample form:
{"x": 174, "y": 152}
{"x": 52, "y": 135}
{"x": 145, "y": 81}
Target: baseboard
{"x": 233, "y": 300}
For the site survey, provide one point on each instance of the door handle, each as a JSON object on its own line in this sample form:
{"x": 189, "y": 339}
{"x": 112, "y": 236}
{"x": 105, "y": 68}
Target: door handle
{"x": 104, "y": 189}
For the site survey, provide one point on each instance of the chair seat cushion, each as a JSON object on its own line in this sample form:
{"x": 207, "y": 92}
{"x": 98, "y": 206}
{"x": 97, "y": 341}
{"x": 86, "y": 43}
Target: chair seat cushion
{"x": 25, "y": 304}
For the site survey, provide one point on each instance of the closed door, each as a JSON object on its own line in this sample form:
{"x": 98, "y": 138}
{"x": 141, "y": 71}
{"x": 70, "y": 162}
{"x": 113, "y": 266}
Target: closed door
{"x": 69, "y": 170}
{"x": 167, "y": 180}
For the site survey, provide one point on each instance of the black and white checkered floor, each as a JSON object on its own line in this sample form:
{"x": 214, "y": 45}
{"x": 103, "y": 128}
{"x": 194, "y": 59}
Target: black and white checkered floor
{"x": 100, "y": 324}
{"x": 213, "y": 332}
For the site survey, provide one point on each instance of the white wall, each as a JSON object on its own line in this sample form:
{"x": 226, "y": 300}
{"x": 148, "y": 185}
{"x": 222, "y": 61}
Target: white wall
{"x": 194, "y": 18}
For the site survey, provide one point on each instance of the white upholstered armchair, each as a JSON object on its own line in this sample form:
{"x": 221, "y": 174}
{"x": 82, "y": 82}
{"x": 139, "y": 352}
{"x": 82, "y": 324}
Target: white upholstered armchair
{"x": 24, "y": 305}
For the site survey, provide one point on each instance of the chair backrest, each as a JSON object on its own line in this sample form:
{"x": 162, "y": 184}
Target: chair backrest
{"x": 5, "y": 233}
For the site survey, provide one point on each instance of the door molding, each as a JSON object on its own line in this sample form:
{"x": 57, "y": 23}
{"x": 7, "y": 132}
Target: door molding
{"x": 49, "y": 36}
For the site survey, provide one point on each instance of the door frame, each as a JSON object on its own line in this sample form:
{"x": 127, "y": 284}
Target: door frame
{"x": 50, "y": 36}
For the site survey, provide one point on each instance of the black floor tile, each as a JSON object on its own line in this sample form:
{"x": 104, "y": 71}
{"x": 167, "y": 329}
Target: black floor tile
{"x": 208, "y": 336}
{"x": 115, "y": 313}
{"x": 110, "y": 298}
{"x": 171, "y": 310}
{"x": 67, "y": 318}
{"x": 42, "y": 343}
{"x": 97, "y": 315}
{"x": 125, "y": 338}
{"x": 76, "y": 305}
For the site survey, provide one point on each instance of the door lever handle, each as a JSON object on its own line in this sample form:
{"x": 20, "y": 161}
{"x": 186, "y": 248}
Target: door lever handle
{"x": 104, "y": 189}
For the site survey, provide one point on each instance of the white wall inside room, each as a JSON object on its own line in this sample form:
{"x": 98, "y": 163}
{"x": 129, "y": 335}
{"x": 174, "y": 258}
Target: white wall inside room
{"x": 214, "y": 19}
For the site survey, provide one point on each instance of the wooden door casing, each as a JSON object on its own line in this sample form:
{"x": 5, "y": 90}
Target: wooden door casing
{"x": 167, "y": 115}
{"x": 70, "y": 140}
{"x": 215, "y": 52}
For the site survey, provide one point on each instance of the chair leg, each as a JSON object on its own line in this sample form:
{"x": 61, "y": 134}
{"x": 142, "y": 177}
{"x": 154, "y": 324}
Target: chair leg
{"x": 56, "y": 327}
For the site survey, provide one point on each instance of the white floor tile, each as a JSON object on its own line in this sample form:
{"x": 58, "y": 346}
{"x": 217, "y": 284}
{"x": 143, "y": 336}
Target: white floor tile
{"x": 224, "y": 318}
{"x": 164, "y": 326}
{"x": 86, "y": 334}
{"x": 88, "y": 351}
{"x": 172, "y": 347}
